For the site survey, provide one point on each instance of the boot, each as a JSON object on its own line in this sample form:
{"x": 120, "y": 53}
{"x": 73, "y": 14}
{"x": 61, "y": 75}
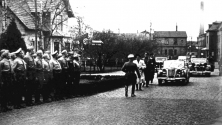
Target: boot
{"x": 136, "y": 87}
{"x": 126, "y": 91}
{"x": 147, "y": 83}
{"x": 140, "y": 86}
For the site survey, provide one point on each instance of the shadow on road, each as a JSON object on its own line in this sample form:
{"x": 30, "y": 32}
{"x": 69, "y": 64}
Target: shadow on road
{"x": 178, "y": 84}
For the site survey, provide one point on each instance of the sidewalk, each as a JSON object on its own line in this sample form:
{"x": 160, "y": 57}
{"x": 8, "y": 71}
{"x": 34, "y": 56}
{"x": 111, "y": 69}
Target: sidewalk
{"x": 116, "y": 73}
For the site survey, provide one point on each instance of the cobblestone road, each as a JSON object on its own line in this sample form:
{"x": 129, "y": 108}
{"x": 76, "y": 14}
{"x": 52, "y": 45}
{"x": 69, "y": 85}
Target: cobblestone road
{"x": 198, "y": 103}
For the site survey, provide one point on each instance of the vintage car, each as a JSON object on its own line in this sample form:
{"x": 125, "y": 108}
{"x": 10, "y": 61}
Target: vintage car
{"x": 159, "y": 63}
{"x": 199, "y": 66}
{"x": 173, "y": 71}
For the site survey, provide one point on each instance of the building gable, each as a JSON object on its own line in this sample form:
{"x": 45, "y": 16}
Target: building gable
{"x": 172, "y": 34}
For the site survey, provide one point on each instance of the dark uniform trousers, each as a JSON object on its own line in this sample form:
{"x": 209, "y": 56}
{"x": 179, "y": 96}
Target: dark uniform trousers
{"x": 70, "y": 85}
{"x": 30, "y": 85}
{"x": 57, "y": 83}
{"x": 5, "y": 89}
{"x": 19, "y": 86}
{"x": 39, "y": 85}
{"x": 64, "y": 82}
{"x": 76, "y": 81}
{"x": 47, "y": 85}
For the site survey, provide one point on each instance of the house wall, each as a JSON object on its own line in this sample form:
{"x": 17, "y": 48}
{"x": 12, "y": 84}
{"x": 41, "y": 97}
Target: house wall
{"x": 166, "y": 46}
{"x": 219, "y": 45}
{"x": 27, "y": 35}
{"x": 212, "y": 44}
{"x": 1, "y": 20}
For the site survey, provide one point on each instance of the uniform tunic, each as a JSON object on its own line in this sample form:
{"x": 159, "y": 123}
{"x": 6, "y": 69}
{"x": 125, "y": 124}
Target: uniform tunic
{"x": 39, "y": 71}
{"x": 30, "y": 67}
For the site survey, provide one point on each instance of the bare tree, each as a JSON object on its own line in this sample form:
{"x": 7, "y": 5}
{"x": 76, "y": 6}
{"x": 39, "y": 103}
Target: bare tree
{"x": 79, "y": 32}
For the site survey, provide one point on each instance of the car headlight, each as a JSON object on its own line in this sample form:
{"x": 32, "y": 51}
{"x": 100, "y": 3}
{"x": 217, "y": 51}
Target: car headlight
{"x": 208, "y": 67}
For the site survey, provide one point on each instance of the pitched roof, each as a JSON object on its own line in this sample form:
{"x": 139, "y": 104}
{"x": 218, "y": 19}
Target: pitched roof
{"x": 48, "y": 5}
{"x": 21, "y": 10}
{"x": 214, "y": 26}
{"x": 170, "y": 34}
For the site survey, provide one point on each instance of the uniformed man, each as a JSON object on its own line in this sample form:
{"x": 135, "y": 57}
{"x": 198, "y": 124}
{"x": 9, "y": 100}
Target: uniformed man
{"x": 6, "y": 73}
{"x": 39, "y": 76}
{"x": 48, "y": 78}
{"x": 65, "y": 76}
{"x": 151, "y": 68}
{"x": 70, "y": 84}
{"x": 77, "y": 70}
{"x": 19, "y": 68}
{"x": 2, "y": 51}
{"x": 30, "y": 75}
{"x": 49, "y": 53}
{"x": 34, "y": 56}
{"x": 57, "y": 70}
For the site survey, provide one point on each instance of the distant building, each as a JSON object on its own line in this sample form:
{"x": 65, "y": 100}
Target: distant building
{"x": 219, "y": 44}
{"x": 212, "y": 40}
{"x": 201, "y": 45}
{"x": 171, "y": 43}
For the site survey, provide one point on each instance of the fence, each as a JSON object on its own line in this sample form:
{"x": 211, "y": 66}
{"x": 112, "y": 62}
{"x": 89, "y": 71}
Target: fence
{"x": 93, "y": 67}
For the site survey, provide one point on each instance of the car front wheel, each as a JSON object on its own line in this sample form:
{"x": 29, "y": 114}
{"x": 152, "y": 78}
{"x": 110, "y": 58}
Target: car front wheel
{"x": 160, "y": 81}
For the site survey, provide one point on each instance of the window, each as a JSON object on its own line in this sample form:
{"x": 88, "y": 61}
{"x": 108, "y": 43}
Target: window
{"x": 175, "y": 41}
{"x": 175, "y": 52}
{"x": 165, "y": 51}
{"x": 67, "y": 46}
{"x": 166, "y": 42}
{"x": 56, "y": 46}
{"x": 170, "y": 52}
{"x": 181, "y": 41}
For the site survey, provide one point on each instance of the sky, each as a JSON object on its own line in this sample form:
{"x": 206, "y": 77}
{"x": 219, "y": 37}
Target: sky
{"x": 132, "y": 16}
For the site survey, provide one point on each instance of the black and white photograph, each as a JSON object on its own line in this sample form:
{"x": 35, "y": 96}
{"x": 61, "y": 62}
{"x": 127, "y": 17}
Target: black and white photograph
{"x": 110, "y": 62}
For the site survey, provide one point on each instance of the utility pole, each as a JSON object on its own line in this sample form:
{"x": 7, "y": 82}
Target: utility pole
{"x": 150, "y": 29}
{"x": 190, "y": 47}
{"x": 36, "y": 26}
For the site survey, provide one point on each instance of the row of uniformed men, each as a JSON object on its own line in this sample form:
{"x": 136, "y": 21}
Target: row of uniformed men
{"x": 24, "y": 76}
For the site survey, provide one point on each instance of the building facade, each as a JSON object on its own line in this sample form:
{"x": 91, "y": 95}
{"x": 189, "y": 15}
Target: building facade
{"x": 219, "y": 44}
{"x": 212, "y": 40}
{"x": 43, "y": 25}
{"x": 201, "y": 46}
{"x": 171, "y": 43}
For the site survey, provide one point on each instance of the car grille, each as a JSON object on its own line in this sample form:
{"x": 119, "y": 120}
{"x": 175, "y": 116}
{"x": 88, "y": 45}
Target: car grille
{"x": 171, "y": 72}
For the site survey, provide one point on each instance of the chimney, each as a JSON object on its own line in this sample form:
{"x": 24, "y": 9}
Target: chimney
{"x": 210, "y": 25}
{"x": 176, "y": 27}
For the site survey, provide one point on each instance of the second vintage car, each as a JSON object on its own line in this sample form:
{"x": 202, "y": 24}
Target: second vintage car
{"x": 200, "y": 66}
{"x": 173, "y": 71}
{"x": 159, "y": 63}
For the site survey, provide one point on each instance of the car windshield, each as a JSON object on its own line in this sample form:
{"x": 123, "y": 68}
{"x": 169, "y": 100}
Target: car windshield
{"x": 161, "y": 59}
{"x": 198, "y": 60}
{"x": 173, "y": 64}
{"x": 182, "y": 58}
